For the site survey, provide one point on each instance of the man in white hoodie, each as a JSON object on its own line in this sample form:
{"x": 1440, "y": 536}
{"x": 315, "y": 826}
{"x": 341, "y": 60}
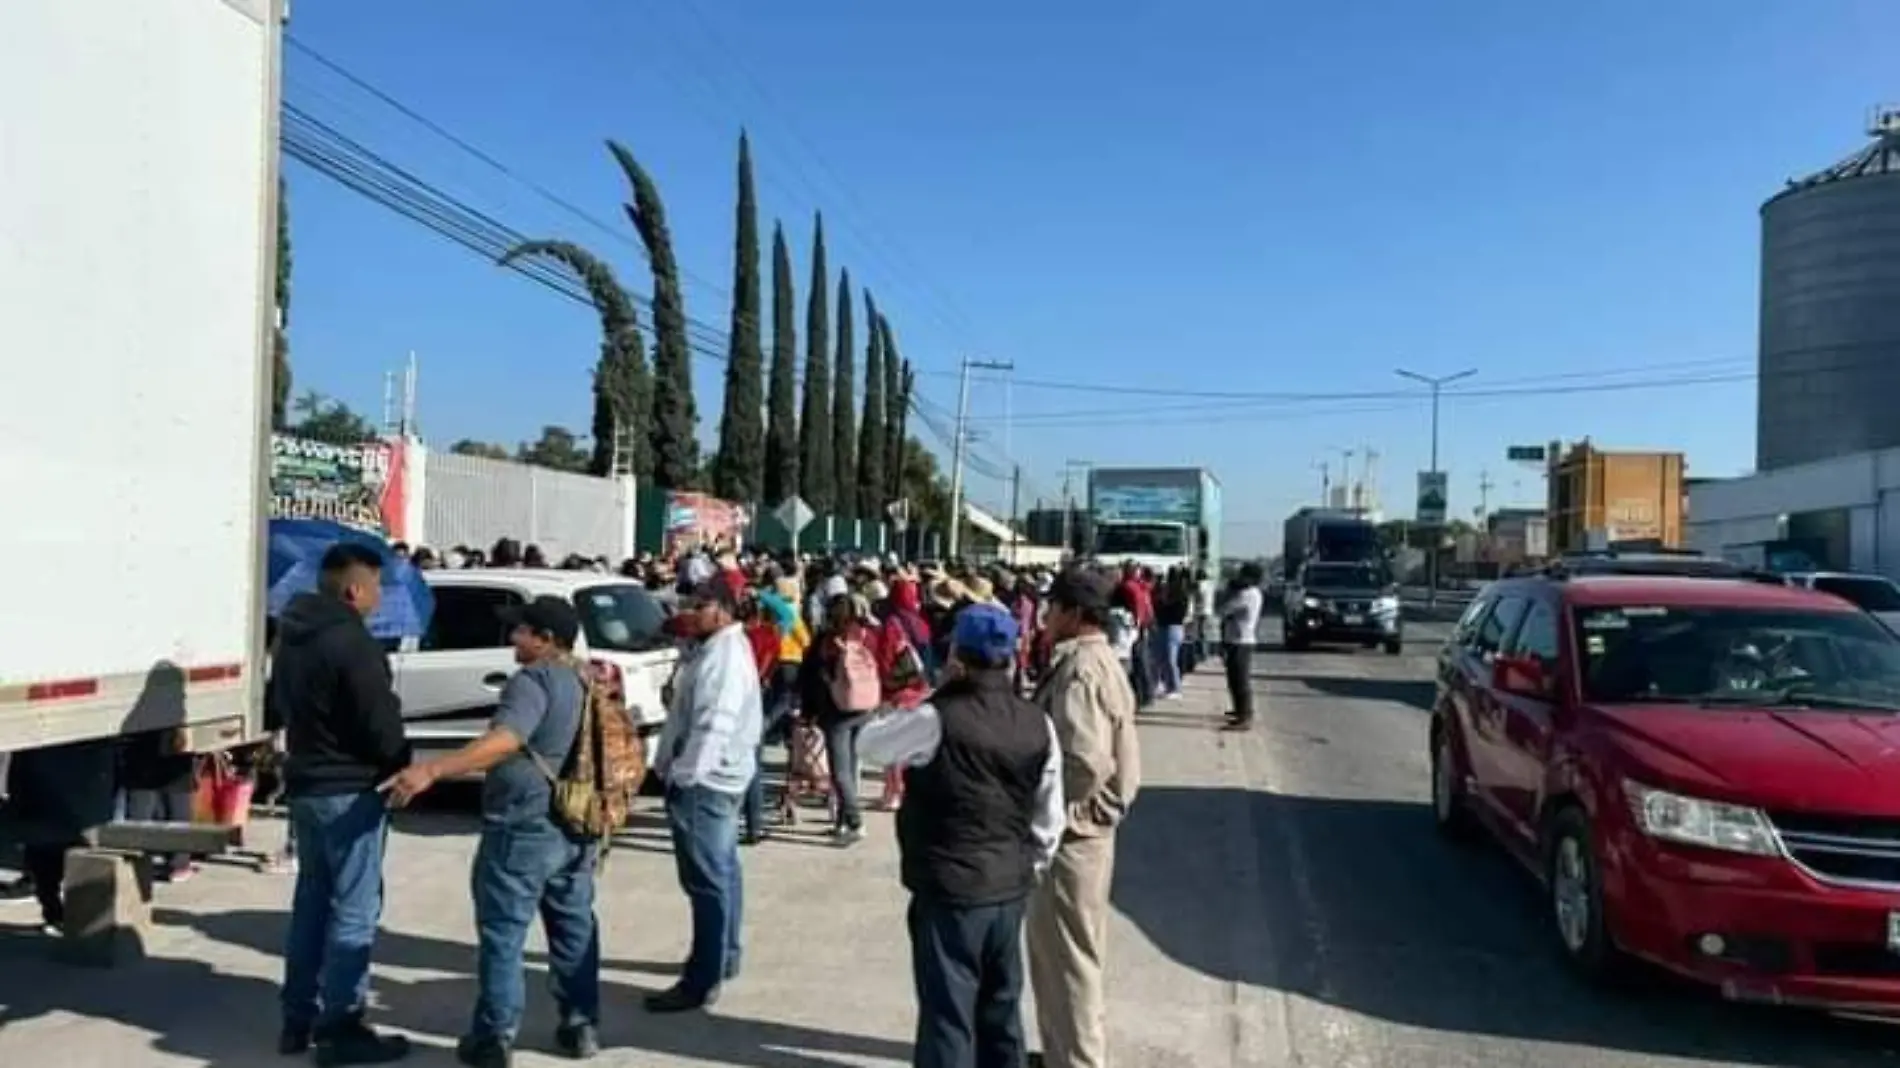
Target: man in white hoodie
{"x": 708, "y": 754}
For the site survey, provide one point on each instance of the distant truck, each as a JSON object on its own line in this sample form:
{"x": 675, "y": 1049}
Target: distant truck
{"x": 1158, "y": 517}
{"x": 136, "y": 411}
{"x": 1330, "y": 534}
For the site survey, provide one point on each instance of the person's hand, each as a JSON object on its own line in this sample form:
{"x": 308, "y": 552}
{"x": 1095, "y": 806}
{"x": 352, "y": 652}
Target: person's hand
{"x": 408, "y": 784}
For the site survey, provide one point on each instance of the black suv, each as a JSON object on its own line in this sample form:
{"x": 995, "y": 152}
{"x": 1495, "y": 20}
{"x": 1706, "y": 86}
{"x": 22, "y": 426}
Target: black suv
{"x": 1345, "y": 601}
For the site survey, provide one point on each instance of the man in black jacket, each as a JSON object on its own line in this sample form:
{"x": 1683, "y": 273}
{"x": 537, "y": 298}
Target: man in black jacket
{"x": 982, "y": 816}
{"x": 330, "y": 681}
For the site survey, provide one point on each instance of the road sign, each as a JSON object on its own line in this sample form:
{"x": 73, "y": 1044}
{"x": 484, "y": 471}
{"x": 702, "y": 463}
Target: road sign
{"x": 795, "y": 514}
{"x": 1431, "y": 498}
{"x": 899, "y": 511}
{"x": 1529, "y": 454}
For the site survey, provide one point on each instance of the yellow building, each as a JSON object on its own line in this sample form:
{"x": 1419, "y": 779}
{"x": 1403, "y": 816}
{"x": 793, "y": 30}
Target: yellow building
{"x": 1597, "y": 496}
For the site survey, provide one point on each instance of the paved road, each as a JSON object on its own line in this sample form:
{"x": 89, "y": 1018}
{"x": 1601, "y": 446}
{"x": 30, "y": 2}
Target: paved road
{"x": 1281, "y": 901}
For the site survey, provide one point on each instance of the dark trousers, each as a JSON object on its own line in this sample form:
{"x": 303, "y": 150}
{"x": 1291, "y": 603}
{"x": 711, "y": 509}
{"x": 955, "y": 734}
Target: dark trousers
{"x": 522, "y": 871}
{"x": 46, "y": 868}
{"x": 968, "y": 967}
{"x": 1238, "y": 660}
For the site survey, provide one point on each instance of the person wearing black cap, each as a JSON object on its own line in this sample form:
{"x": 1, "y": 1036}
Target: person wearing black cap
{"x": 526, "y": 863}
{"x": 982, "y": 816}
{"x": 330, "y": 681}
{"x": 1089, "y": 700}
{"x": 708, "y": 755}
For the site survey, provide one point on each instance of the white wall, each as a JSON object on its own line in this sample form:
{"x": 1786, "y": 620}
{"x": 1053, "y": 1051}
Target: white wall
{"x": 1746, "y": 510}
{"x": 474, "y": 501}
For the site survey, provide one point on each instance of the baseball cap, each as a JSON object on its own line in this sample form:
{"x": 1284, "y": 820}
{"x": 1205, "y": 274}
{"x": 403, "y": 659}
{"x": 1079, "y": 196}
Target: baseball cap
{"x": 1087, "y": 590}
{"x": 985, "y": 630}
{"x": 546, "y": 614}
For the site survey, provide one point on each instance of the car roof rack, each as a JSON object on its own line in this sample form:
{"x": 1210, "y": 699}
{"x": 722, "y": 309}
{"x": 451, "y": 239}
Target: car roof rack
{"x": 1667, "y": 563}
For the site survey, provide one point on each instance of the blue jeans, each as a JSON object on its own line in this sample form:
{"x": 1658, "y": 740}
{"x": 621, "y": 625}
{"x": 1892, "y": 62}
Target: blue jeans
{"x": 705, "y": 825}
{"x": 841, "y": 746}
{"x": 336, "y": 906}
{"x": 1168, "y": 642}
{"x": 522, "y": 869}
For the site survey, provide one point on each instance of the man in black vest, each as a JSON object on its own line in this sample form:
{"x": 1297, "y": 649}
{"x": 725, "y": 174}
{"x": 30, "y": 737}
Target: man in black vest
{"x": 982, "y": 817}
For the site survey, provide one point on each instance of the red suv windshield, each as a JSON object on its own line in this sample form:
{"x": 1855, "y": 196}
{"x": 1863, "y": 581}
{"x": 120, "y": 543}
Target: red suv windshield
{"x": 1649, "y": 653}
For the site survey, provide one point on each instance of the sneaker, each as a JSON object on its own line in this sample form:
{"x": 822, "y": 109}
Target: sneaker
{"x": 181, "y": 874}
{"x": 580, "y": 1042}
{"x": 293, "y": 1040}
{"x": 282, "y": 864}
{"x": 485, "y": 1052}
{"x": 848, "y": 836}
{"x": 353, "y": 1042}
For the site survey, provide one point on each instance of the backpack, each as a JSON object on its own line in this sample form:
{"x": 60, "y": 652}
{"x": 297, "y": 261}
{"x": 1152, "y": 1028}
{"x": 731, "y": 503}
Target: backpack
{"x": 855, "y": 686}
{"x": 593, "y": 794}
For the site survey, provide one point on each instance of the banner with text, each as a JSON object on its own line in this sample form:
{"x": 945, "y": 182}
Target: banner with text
{"x": 1431, "y": 498}
{"x": 359, "y": 486}
{"x": 696, "y": 519}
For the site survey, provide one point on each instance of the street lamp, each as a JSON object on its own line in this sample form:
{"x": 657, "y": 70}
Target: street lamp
{"x": 1436, "y": 385}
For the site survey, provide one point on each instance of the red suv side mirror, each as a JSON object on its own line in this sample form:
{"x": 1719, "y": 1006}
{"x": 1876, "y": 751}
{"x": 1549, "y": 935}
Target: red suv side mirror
{"x": 1521, "y": 675}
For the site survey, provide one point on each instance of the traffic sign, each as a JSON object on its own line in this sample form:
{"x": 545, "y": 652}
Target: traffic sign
{"x": 794, "y": 514}
{"x": 1529, "y": 454}
{"x": 1430, "y": 509}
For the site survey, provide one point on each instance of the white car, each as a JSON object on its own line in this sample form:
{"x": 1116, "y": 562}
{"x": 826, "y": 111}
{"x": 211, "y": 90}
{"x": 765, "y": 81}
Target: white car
{"x": 450, "y": 678}
{"x": 1874, "y": 594}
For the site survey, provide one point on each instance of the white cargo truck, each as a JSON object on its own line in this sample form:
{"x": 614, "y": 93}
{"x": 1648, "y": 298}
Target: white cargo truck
{"x": 138, "y": 176}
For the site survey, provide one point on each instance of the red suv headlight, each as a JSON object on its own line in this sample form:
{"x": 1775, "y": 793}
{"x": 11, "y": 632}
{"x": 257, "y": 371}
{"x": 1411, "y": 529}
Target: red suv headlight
{"x": 1672, "y": 817}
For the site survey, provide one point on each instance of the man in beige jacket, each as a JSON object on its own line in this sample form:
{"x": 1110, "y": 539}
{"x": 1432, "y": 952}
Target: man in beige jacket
{"x": 1088, "y": 698}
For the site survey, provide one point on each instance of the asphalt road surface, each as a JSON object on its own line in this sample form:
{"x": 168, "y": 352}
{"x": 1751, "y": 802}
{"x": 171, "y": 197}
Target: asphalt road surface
{"x": 1378, "y": 944}
{"x": 1280, "y": 900}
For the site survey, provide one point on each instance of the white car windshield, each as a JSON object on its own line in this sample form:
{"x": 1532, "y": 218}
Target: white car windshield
{"x": 1742, "y": 656}
{"x": 622, "y": 618}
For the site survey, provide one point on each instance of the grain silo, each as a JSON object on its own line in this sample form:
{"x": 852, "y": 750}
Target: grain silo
{"x": 1830, "y": 308}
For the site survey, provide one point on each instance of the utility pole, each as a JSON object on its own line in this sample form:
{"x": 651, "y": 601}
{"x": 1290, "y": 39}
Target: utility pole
{"x": 1015, "y": 506}
{"x": 1437, "y": 386}
{"x": 1068, "y": 503}
{"x": 1325, "y": 484}
{"x": 1485, "y": 485}
{"x": 963, "y": 432}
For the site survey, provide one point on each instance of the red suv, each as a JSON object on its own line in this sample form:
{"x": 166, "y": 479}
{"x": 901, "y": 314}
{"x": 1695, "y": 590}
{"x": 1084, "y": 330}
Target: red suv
{"x": 1704, "y": 771}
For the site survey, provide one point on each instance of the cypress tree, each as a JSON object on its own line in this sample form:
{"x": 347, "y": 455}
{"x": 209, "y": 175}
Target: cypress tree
{"x": 622, "y": 388}
{"x": 894, "y": 404}
{"x": 674, "y": 422}
{"x": 872, "y": 447}
{"x": 844, "y": 415}
{"x": 739, "y": 470}
{"x": 815, "y": 464}
{"x": 781, "y": 428}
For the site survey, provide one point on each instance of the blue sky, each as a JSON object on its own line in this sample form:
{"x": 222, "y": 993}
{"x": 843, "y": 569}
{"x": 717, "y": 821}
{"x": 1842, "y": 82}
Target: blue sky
{"x": 1204, "y": 198}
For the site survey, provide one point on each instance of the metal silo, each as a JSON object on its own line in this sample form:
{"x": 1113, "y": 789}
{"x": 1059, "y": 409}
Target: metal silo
{"x": 1830, "y": 308}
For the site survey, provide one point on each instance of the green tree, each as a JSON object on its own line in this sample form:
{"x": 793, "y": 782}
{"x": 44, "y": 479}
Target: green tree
{"x": 739, "y": 470}
{"x": 280, "y": 329}
{"x": 873, "y": 449}
{"x": 674, "y": 424}
{"x": 925, "y": 487}
{"x": 622, "y": 387}
{"x": 896, "y": 403}
{"x": 486, "y": 450}
{"x": 331, "y": 421}
{"x": 557, "y": 448}
{"x": 844, "y": 414}
{"x": 781, "y": 427}
{"x": 816, "y": 467}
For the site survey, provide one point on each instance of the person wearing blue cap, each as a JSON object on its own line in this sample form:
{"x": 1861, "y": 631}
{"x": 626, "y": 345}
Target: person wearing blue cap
{"x": 982, "y": 818}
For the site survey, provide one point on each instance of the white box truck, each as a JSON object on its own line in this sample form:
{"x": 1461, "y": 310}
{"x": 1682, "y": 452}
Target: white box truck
{"x": 138, "y": 176}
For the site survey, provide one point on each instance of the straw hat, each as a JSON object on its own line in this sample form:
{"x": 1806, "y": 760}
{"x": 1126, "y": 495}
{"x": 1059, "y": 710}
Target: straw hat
{"x": 981, "y": 591}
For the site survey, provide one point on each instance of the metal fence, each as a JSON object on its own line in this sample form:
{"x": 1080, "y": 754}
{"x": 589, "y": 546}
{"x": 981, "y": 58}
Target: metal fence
{"x": 473, "y": 500}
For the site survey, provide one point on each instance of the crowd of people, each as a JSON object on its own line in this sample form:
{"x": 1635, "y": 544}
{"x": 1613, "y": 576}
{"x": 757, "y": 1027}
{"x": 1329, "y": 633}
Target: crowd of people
{"x": 1000, "y": 705}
